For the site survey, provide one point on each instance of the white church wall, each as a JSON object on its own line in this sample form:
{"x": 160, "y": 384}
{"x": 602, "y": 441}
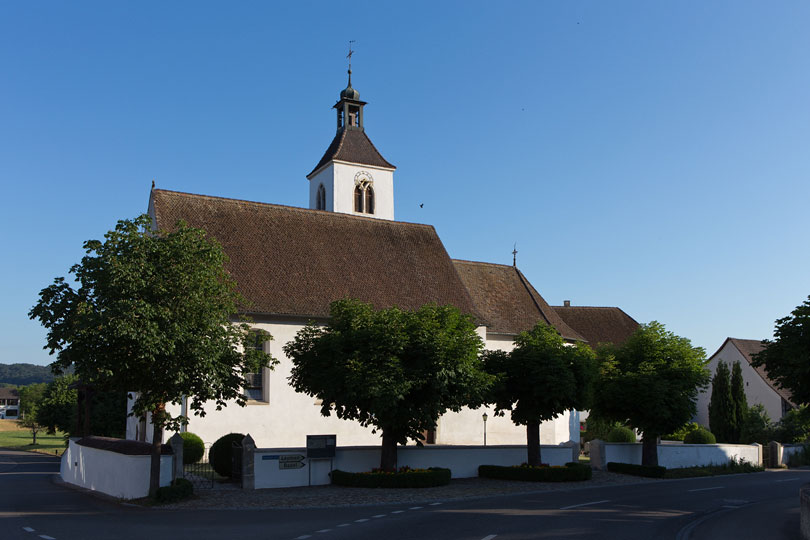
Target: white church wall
{"x": 344, "y": 184}
{"x": 286, "y": 417}
{"x": 325, "y": 177}
{"x": 756, "y": 389}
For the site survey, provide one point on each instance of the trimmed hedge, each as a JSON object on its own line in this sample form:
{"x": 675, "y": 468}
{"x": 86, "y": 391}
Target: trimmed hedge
{"x": 637, "y": 470}
{"x": 621, "y": 434}
{"x": 179, "y": 489}
{"x": 572, "y": 472}
{"x": 417, "y": 478}
{"x": 699, "y": 436}
{"x": 221, "y": 454}
{"x": 193, "y": 448}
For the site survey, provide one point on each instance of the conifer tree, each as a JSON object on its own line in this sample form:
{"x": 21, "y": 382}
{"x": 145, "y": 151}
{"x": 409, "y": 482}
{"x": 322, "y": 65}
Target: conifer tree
{"x": 740, "y": 401}
{"x": 722, "y": 420}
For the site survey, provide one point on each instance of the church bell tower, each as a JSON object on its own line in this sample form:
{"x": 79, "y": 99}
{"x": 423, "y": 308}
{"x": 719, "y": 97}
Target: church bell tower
{"x": 352, "y": 177}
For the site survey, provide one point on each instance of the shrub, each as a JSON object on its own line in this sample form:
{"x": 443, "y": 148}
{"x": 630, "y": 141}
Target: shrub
{"x": 193, "y": 448}
{"x": 757, "y": 426}
{"x": 734, "y": 466}
{"x": 699, "y": 436}
{"x": 637, "y": 470}
{"x": 404, "y": 478}
{"x": 681, "y": 432}
{"x": 794, "y": 427}
{"x": 621, "y": 434}
{"x": 221, "y": 454}
{"x": 571, "y": 472}
{"x": 178, "y": 490}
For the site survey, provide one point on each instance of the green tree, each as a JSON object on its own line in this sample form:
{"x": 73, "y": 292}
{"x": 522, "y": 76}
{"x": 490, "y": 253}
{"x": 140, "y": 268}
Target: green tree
{"x": 394, "y": 370}
{"x": 740, "y": 401}
{"x": 722, "y": 419}
{"x": 152, "y": 315}
{"x": 539, "y": 380}
{"x": 787, "y": 357}
{"x": 794, "y": 427}
{"x": 30, "y": 400}
{"x": 757, "y": 426}
{"x": 651, "y": 382}
{"x": 58, "y": 409}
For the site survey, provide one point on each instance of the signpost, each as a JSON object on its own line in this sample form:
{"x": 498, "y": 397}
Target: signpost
{"x": 321, "y": 447}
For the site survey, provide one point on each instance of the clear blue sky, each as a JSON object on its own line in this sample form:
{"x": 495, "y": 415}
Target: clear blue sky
{"x": 648, "y": 155}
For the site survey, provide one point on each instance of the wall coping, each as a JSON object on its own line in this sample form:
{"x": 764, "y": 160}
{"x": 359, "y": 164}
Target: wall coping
{"x": 426, "y": 447}
{"x": 122, "y": 446}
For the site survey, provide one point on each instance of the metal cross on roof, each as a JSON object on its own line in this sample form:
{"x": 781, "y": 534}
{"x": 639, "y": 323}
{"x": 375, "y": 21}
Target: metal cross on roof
{"x": 351, "y": 52}
{"x": 514, "y": 255}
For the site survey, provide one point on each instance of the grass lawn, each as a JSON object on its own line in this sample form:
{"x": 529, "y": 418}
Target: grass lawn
{"x": 13, "y": 436}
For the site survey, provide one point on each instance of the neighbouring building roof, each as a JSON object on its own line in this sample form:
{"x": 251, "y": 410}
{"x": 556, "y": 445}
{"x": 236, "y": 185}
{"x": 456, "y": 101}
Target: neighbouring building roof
{"x": 353, "y": 145}
{"x": 9, "y": 393}
{"x": 294, "y": 261}
{"x": 599, "y": 324}
{"x": 505, "y": 298}
{"x": 748, "y": 348}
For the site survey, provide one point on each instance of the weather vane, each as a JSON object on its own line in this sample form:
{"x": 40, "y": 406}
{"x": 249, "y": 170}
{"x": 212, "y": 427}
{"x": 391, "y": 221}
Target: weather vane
{"x": 514, "y": 255}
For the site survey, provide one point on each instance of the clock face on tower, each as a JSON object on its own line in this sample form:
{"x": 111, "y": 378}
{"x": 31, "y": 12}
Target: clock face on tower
{"x": 363, "y": 178}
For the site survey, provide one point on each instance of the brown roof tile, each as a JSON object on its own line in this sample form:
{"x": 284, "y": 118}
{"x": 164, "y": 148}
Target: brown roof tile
{"x": 293, "y": 261}
{"x": 354, "y": 146}
{"x": 748, "y": 348}
{"x": 505, "y": 298}
{"x": 9, "y": 393}
{"x": 599, "y": 324}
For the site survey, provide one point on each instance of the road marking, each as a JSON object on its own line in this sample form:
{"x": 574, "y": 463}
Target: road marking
{"x": 730, "y": 506}
{"x": 345, "y": 525}
{"x": 707, "y": 489}
{"x": 28, "y": 529}
{"x": 415, "y": 508}
{"x": 435, "y": 504}
{"x": 304, "y": 537}
{"x": 397, "y": 511}
{"x": 46, "y": 537}
{"x": 378, "y": 516}
{"x": 490, "y": 537}
{"x": 787, "y": 480}
{"x": 323, "y": 530}
{"x": 583, "y": 504}
{"x": 361, "y": 520}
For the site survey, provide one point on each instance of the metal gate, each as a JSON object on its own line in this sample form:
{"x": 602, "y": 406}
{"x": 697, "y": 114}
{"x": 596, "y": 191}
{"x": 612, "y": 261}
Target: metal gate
{"x": 200, "y": 474}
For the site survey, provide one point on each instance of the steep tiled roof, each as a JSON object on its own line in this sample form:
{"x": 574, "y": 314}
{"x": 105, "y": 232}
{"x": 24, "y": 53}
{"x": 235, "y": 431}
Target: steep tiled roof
{"x": 505, "y": 298}
{"x": 598, "y": 324}
{"x": 293, "y": 261}
{"x": 354, "y": 146}
{"x": 748, "y": 348}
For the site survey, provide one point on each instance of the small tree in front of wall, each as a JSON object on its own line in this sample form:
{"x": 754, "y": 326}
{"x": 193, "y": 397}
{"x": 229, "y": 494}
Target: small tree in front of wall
{"x": 740, "y": 401}
{"x": 722, "y": 420}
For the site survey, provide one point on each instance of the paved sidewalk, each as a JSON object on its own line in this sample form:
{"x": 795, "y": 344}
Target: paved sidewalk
{"x": 229, "y": 497}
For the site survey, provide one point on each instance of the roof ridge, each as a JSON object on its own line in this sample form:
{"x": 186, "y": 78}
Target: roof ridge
{"x": 532, "y": 292}
{"x": 375, "y": 149}
{"x": 589, "y": 307}
{"x": 337, "y": 215}
{"x": 482, "y": 263}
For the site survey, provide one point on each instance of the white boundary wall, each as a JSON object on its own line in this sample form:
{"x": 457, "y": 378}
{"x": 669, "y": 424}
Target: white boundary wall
{"x": 674, "y": 456}
{"x": 463, "y": 461}
{"x": 788, "y": 450}
{"x": 118, "y": 475}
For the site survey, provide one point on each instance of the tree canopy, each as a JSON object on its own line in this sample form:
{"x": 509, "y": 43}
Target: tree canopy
{"x": 394, "y": 370}
{"x": 152, "y": 315}
{"x": 722, "y": 413}
{"x": 787, "y": 357}
{"x": 740, "y": 401}
{"x": 651, "y": 382}
{"x": 539, "y": 380}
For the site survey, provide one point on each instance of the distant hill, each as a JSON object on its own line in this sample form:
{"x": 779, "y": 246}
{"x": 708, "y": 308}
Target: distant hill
{"x": 22, "y": 374}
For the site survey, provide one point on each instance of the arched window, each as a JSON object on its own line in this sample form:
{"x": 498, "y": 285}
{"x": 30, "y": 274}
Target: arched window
{"x": 320, "y": 198}
{"x": 369, "y": 206}
{"x": 358, "y": 199}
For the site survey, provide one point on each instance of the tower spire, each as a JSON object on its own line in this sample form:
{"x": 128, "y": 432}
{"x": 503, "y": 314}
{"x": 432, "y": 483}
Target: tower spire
{"x": 349, "y": 56}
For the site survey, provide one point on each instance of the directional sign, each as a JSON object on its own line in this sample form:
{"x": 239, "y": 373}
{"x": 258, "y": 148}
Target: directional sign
{"x": 291, "y": 457}
{"x": 290, "y": 464}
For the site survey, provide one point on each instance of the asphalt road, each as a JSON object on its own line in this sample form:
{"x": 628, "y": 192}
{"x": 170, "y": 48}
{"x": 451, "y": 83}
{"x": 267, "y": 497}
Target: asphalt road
{"x": 761, "y": 506}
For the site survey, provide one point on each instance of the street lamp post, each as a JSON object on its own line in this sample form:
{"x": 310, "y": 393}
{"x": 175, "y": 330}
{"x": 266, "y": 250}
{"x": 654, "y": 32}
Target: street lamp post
{"x": 484, "y": 417}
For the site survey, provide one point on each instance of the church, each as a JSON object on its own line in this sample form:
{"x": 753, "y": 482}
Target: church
{"x": 291, "y": 263}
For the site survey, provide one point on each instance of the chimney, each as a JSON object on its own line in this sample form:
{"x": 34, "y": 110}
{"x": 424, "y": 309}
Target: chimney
{"x": 567, "y": 303}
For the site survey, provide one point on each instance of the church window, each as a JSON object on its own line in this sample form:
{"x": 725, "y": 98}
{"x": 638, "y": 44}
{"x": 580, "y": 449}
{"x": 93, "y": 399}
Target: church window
{"x": 369, "y": 200}
{"x": 358, "y": 199}
{"x": 254, "y": 382}
{"x": 320, "y": 198}
{"x": 363, "y": 196}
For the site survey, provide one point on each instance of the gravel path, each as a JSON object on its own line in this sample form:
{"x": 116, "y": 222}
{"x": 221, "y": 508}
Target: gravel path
{"x": 229, "y": 497}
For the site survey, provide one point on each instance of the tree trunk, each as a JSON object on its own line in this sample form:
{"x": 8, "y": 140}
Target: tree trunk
{"x": 88, "y": 397}
{"x": 34, "y": 433}
{"x": 533, "y": 443}
{"x": 388, "y": 456}
{"x": 157, "y": 439}
{"x": 649, "y": 450}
